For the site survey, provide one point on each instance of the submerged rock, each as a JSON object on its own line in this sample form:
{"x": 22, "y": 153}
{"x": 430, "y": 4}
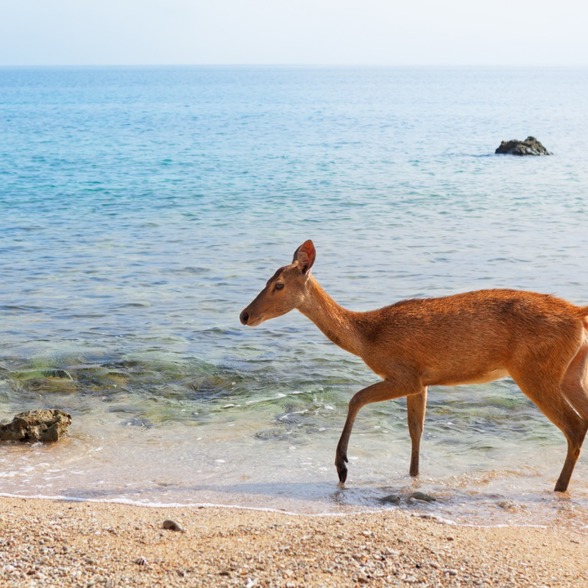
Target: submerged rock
{"x": 530, "y": 146}
{"x": 422, "y": 497}
{"x": 390, "y": 499}
{"x": 45, "y": 425}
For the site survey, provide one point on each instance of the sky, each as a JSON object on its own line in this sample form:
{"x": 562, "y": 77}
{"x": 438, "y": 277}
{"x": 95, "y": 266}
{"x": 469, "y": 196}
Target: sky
{"x": 294, "y": 32}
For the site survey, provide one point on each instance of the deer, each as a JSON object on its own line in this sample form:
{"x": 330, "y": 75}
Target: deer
{"x": 538, "y": 340}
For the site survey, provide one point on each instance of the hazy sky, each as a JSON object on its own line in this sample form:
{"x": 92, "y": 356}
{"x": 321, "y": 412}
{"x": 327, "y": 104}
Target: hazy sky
{"x": 379, "y": 32}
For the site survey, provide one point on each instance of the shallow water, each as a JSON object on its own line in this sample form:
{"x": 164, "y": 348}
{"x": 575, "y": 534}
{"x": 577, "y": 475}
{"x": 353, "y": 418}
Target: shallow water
{"x": 142, "y": 209}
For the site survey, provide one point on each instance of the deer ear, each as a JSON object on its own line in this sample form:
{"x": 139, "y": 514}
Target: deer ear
{"x": 305, "y": 255}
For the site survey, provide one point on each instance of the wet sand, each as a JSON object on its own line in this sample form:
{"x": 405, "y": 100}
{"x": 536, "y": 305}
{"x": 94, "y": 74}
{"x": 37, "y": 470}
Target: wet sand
{"x": 57, "y": 543}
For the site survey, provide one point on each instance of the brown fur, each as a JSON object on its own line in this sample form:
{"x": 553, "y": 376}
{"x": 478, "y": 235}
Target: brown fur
{"x": 539, "y": 340}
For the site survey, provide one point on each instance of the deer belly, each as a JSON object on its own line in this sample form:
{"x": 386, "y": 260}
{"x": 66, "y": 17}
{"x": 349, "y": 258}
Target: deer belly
{"x": 466, "y": 377}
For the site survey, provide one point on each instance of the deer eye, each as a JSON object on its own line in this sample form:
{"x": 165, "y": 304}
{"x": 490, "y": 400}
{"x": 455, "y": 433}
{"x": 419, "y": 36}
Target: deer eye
{"x": 279, "y": 286}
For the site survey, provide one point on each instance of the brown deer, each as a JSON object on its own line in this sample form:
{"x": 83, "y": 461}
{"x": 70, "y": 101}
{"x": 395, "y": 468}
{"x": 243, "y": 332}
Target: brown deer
{"x": 538, "y": 340}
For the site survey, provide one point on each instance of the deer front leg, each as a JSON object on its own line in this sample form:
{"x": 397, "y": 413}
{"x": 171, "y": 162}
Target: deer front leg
{"x": 416, "y": 406}
{"x": 386, "y": 390}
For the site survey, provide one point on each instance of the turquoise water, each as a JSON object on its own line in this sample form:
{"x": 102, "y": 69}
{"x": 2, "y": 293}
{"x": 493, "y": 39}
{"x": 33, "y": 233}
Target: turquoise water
{"x": 141, "y": 209}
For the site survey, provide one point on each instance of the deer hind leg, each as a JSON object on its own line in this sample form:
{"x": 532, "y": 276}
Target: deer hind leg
{"x": 416, "y": 405}
{"x": 550, "y": 399}
{"x": 575, "y": 382}
{"x": 386, "y": 390}
{"x": 574, "y": 387}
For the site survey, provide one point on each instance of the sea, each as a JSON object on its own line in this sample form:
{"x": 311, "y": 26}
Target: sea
{"x": 142, "y": 208}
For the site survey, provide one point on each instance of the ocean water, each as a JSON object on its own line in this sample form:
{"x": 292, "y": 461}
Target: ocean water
{"x": 142, "y": 208}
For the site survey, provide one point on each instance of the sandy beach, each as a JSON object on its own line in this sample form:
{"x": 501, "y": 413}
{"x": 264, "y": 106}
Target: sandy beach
{"x": 58, "y": 543}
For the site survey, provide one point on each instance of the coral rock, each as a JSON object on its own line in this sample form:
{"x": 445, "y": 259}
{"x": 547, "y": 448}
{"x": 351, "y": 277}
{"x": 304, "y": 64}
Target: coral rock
{"x": 42, "y": 425}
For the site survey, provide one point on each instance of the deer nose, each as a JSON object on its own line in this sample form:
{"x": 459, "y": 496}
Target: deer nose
{"x": 244, "y": 316}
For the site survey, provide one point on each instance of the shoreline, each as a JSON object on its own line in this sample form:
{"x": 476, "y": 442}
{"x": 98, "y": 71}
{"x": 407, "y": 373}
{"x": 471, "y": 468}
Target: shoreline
{"x": 63, "y": 543}
{"x": 348, "y": 511}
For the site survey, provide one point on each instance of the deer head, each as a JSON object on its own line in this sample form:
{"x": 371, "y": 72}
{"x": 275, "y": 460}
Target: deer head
{"x": 284, "y": 291}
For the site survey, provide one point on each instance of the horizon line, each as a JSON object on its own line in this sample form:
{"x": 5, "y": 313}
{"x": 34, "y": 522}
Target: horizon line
{"x": 296, "y": 65}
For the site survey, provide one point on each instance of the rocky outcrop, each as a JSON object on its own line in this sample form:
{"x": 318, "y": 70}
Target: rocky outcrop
{"x": 42, "y": 425}
{"x": 530, "y": 146}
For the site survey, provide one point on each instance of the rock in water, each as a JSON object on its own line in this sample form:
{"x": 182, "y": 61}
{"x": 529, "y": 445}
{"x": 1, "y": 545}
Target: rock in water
{"x": 422, "y": 497}
{"x": 390, "y": 499}
{"x": 530, "y": 146}
{"x": 43, "y": 425}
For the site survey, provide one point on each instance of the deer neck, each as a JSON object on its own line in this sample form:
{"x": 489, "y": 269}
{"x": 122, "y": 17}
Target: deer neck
{"x": 336, "y": 322}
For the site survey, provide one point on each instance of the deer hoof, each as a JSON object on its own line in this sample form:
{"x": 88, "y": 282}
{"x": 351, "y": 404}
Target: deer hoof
{"x": 342, "y": 471}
